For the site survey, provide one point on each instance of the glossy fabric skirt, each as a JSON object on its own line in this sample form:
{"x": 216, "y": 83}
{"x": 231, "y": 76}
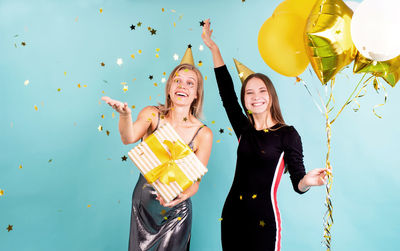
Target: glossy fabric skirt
{"x": 158, "y": 228}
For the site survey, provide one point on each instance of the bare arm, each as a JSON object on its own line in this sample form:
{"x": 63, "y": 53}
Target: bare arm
{"x": 203, "y": 153}
{"x": 206, "y": 36}
{"x": 132, "y": 132}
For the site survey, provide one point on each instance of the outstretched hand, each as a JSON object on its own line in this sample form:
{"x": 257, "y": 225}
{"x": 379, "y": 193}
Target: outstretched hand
{"x": 121, "y": 108}
{"x": 206, "y": 35}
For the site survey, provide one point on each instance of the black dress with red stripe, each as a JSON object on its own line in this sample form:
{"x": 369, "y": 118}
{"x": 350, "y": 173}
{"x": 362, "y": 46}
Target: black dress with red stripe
{"x": 250, "y": 217}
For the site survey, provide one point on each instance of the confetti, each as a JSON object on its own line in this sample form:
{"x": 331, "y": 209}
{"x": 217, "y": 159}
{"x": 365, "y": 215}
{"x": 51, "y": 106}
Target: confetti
{"x": 108, "y": 133}
{"x": 76, "y": 19}
{"x": 162, "y": 9}
{"x": 1, "y": 192}
{"x": 202, "y": 23}
{"x": 150, "y": 77}
{"x": 140, "y": 51}
{"x": 174, "y": 24}
{"x": 218, "y": 141}
{"x": 230, "y": 129}
{"x": 125, "y": 89}
{"x": 185, "y": 119}
{"x": 163, "y": 212}
{"x": 179, "y": 218}
{"x": 165, "y": 218}
{"x": 100, "y": 128}
{"x": 201, "y": 47}
{"x": 189, "y": 46}
{"x": 50, "y": 160}
{"x": 157, "y": 49}
{"x": 213, "y": 122}
{"x": 20, "y": 167}
{"x": 221, "y": 130}
{"x": 205, "y": 77}
{"x": 84, "y": 85}
{"x": 157, "y": 56}
{"x": 119, "y": 61}
{"x": 65, "y": 73}
{"x": 133, "y": 56}
{"x": 254, "y": 196}
{"x": 266, "y": 130}
{"x": 132, "y": 27}
{"x": 153, "y": 31}
{"x": 113, "y": 115}
{"x": 173, "y": 10}
{"x": 262, "y": 223}
{"x": 133, "y": 107}
{"x": 89, "y": 205}
{"x": 59, "y": 89}
{"x": 200, "y": 63}
{"x": 102, "y": 64}
{"x": 163, "y": 80}
{"x": 79, "y": 85}
{"x": 35, "y": 106}
{"x": 23, "y": 43}
{"x": 26, "y": 82}
{"x": 139, "y": 24}
{"x": 155, "y": 84}
{"x": 175, "y": 56}
{"x": 220, "y": 219}
{"x": 240, "y": 197}
{"x": 102, "y": 116}
{"x": 124, "y": 158}
{"x": 9, "y": 228}
{"x": 101, "y": 10}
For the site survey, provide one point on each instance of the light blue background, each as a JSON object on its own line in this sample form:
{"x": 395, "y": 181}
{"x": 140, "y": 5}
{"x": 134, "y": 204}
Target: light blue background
{"x": 47, "y": 203}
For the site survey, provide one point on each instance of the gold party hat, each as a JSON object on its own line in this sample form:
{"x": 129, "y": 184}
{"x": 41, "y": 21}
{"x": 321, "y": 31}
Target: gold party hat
{"x": 188, "y": 57}
{"x": 242, "y": 70}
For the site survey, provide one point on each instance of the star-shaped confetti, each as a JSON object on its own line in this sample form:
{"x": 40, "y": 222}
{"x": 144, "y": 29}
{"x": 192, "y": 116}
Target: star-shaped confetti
{"x": 175, "y": 56}
{"x": 202, "y": 23}
{"x": 139, "y": 24}
{"x": 266, "y": 130}
{"x": 150, "y": 77}
{"x": 189, "y": 46}
{"x": 124, "y": 158}
{"x": 201, "y": 47}
{"x": 153, "y": 31}
{"x": 102, "y": 64}
{"x": 9, "y": 228}
{"x": 119, "y": 61}
{"x": 100, "y": 128}
{"x": 1, "y": 192}
{"x": 50, "y": 160}
{"x": 185, "y": 119}
{"x": 132, "y": 27}
{"x": 221, "y": 130}
{"x": 26, "y": 82}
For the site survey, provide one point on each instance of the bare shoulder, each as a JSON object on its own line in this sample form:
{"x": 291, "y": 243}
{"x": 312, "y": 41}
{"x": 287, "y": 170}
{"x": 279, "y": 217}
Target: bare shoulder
{"x": 205, "y": 134}
{"x": 148, "y": 110}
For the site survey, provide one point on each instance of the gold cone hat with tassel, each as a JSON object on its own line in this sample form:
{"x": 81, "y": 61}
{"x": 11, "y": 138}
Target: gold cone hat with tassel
{"x": 242, "y": 70}
{"x": 188, "y": 57}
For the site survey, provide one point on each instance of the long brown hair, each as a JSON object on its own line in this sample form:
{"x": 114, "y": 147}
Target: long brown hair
{"x": 196, "y": 108}
{"x": 274, "y": 107}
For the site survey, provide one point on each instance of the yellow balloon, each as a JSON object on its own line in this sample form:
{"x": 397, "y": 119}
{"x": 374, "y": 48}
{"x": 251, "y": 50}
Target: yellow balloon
{"x": 302, "y": 8}
{"x": 327, "y": 38}
{"x": 388, "y": 70}
{"x": 281, "y": 45}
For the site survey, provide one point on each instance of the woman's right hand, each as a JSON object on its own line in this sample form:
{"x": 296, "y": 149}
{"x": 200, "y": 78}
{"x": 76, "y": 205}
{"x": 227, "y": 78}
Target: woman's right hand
{"x": 206, "y": 36}
{"x": 122, "y": 108}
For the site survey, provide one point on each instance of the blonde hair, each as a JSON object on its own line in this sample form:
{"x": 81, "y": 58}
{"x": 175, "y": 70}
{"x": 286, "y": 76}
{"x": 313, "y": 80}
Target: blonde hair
{"x": 196, "y": 108}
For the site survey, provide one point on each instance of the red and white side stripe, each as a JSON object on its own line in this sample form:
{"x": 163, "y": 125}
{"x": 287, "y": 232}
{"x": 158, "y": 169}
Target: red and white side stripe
{"x": 275, "y": 184}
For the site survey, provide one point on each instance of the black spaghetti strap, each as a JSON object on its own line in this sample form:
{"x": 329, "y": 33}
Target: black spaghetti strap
{"x": 198, "y": 130}
{"x": 158, "y": 121}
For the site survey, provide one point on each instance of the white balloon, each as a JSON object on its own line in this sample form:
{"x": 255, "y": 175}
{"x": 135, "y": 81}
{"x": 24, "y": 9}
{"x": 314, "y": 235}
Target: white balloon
{"x": 352, "y": 4}
{"x": 375, "y": 29}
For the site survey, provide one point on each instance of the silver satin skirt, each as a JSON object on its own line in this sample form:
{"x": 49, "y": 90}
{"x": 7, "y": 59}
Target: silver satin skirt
{"x": 158, "y": 228}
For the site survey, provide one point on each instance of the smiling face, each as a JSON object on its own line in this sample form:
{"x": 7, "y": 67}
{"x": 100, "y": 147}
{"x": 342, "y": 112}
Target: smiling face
{"x": 183, "y": 89}
{"x": 256, "y": 96}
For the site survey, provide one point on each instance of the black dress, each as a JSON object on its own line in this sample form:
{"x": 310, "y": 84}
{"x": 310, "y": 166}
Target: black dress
{"x": 250, "y": 217}
{"x": 158, "y": 228}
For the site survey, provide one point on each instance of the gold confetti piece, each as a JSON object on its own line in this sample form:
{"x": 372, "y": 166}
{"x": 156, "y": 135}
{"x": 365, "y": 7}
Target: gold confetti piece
{"x": 213, "y": 122}
{"x": 133, "y": 56}
{"x": 89, "y": 206}
{"x": 174, "y": 24}
{"x": 139, "y": 24}
{"x": 254, "y": 196}
{"x": 149, "y": 28}
{"x": 20, "y": 167}
{"x": 113, "y": 115}
{"x": 157, "y": 56}
{"x": 59, "y": 89}
{"x": 102, "y": 116}
{"x": 179, "y": 98}
{"x": 125, "y": 89}
{"x": 186, "y": 70}
{"x": 1, "y": 192}
{"x": 218, "y": 141}
{"x": 100, "y": 128}
{"x": 23, "y": 43}
{"x": 102, "y": 64}
{"x": 149, "y": 120}
{"x": 163, "y": 212}
{"x": 150, "y": 98}
{"x": 157, "y": 49}
{"x": 200, "y": 63}
{"x": 163, "y": 73}
{"x": 220, "y": 219}
{"x": 205, "y": 77}
{"x": 180, "y": 17}
{"x": 155, "y": 84}
{"x": 84, "y": 85}
{"x": 153, "y": 114}
{"x": 101, "y": 10}
{"x": 230, "y": 129}
{"x": 179, "y": 218}
{"x": 133, "y": 107}
{"x": 79, "y": 85}
{"x": 9, "y": 228}
{"x": 240, "y": 197}
{"x": 262, "y": 223}
{"x": 65, "y": 73}
{"x": 26, "y": 82}
{"x": 162, "y": 9}
{"x": 133, "y": 80}
{"x": 123, "y": 83}
{"x": 249, "y": 112}
{"x": 140, "y": 51}
{"x": 108, "y": 133}
{"x": 50, "y": 160}
{"x": 173, "y": 10}
{"x": 36, "y": 108}
{"x": 165, "y": 218}
{"x": 266, "y": 130}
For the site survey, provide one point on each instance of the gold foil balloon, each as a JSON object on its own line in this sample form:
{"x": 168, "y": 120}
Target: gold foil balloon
{"x": 388, "y": 70}
{"x": 281, "y": 45}
{"x": 327, "y": 38}
{"x": 301, "y": 8}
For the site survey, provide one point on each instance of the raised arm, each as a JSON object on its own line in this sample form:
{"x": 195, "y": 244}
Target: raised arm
{"x": 226, "y": 89}
{"x": 132, "y": 132}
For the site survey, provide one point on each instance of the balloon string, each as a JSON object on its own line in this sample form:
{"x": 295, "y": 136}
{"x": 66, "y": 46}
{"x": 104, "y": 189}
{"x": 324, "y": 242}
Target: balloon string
{"x": 309, "y": 92}
{"x": 386, "y": 96}
{"x": 328, "y": 217}
{"x": 351, "y": 95}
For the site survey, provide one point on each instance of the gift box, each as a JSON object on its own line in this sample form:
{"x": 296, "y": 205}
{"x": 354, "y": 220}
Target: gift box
{"x": 167, "y": 163}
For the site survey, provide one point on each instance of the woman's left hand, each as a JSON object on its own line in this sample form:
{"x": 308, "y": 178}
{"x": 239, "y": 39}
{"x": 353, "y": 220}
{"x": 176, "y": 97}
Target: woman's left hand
{"x": 181, "y": 197}
{"x": 315, "y": 177}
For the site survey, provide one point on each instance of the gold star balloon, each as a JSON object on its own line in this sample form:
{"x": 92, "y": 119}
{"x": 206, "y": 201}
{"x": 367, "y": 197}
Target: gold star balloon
{"x": 327, "y": 38}
{"x": 388, "y": 70}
